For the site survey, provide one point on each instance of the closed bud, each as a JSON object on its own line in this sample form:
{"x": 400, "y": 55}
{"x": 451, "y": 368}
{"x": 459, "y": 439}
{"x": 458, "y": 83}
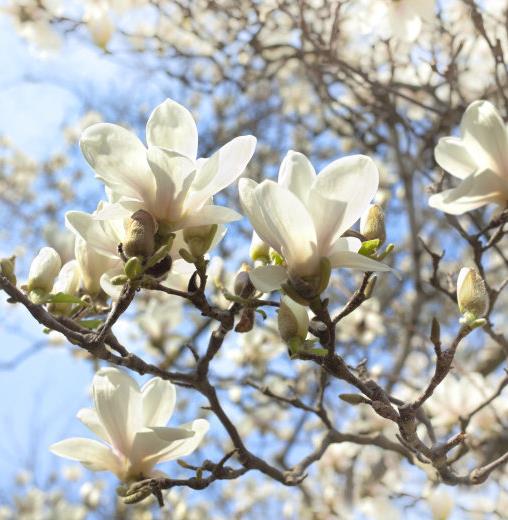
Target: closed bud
{"x": 472, "y": 294}
{"x": 43, "y": 270}
{"x": 259, "y": 250}
{"x": 293, "y": 320}
{"x": 120, "y": 279}
{"x": 243, "y": 286}
{"x": 199, "y": 239}
{"x": 372, "y": 224}
{"x": 133, "y": 268}
{"x": 7, "y": 268}
{"x": 140, "y": 235}
{"x": 67, "y": 283}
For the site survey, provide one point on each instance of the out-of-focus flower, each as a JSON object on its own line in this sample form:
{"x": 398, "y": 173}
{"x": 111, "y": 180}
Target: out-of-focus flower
{"x": 165, "y": 179}
{"x": 405, "y": 17}
{"x": 479, "y": 158}
{"x": 43, "y": 270}
{"x": 304, "y": 216}
{"x": 131, "y": 422}
{"x": 99, "y": 23}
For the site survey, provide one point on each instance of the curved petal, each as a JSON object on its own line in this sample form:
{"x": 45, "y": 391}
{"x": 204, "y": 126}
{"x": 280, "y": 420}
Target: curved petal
{"x": 185, "y": 447}
{"x": 475, "y": 191}
{"x": 297, "y": 174}
{"x": 222, "y": 168}
{"x": 93, "y": 233}
{"x": 268, "y": 278}
{"x": 174, "y": 175}
{"x": 356, "y": 261}
{"x": 117, "y": 401}
{"x": 119, "y": 159}
{"x": 485, "y": 136}
{"x": 172, "y": 126}
{"x": 292, "y": 224}
{"x": 158, "y": 402}
{"x": 453, "y": 156}
{"x": 91, "y": 420}
{"x": 347, "y": 244}
{"x": 351, "y": 180}
{"x": 92, "y": 454}
{"x": 151, "y": 444}
{"x": 248, "y": 198}
{"x": 113, "y": 291}
{"x": 208, "y": 215}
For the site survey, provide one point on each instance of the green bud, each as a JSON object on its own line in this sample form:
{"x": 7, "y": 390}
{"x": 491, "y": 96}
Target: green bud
{"x": 133, "y": 268}
{"x": 199, "y": 238}
{"x": 162, "y": 252}
{"x": 372, "y": 224}
{"x": 259, "y": 250}
{"x": 121, "y": 279}
{"x": 7, "y": 268}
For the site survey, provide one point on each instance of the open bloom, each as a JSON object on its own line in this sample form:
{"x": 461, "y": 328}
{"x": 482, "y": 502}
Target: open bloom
{"x": 165, "y": 179}
{"x": 131, "y": 423}
{"x": 479, "y": 158}
{"x": 304, "y": 216}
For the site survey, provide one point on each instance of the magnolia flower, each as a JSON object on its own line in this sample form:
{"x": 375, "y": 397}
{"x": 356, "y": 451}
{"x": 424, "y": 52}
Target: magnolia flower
{"x": 131, "y": 423}
{"x": 304, "y": 216}
{"x": 165, "y": 179}
{"x": 43, "y": 270}
{"x": 479, "y": 158}
{"x": 67, "y": 282}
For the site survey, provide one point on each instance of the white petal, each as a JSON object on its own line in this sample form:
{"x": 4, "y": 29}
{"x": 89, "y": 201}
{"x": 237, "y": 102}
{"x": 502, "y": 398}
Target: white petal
{"x": 172, "y": 126}
{"x": 114, "y": 291}
{"x": 475, "y": 191}
{"x": 118, "y": 404}
{"x": 352, "y": 180}
{"x": 268, "y": 278}
{"x": 91, "y": 420}
{"x": 92, "y": 454}
{"x": 119, "y": 159}
{"x": 158, "y": 397}
{"x": 297, "y": 174}
{"x": 185, "y": 447}
{"x": 208, "y": 215}
{"x": 151, "y": 445}
{"x": 174, "y": 175}
{"x": 485, "y": 136}
{"x": 352, "y": 260}
{"x": 347, "y": 244}
{"x": 93, "y": 233}
{"x": 248, "y": 190}
{"x": 453, "y": 156}
{"x": 291, "y": 222}
{"x": 222, "y": 168}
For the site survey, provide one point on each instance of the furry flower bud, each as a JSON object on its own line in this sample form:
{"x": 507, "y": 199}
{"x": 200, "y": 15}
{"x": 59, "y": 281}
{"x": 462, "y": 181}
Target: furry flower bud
{"x": 43, "y": 270}
{"x": 472, "y": 294}
{"x": 372, "y": 224}
{"x": 140, "y": 235}
{"x": 243, "y": 286}
{"x": 7, "y": 268}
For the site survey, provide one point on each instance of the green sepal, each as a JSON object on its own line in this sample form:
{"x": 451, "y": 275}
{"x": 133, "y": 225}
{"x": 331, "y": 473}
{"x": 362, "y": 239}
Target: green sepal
{"x": 369, "y": 247}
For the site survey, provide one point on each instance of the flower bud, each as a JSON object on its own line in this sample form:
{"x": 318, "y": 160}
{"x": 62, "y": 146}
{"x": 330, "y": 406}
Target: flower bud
{"x": 101, "y": 27}
{"x": 199, "y": 239}
{"x": 372, "y": 224}
{"x": 140, "y": 235}
{"x": 259, "y": 250}
{"x": 67, "y": 283}
{"x": 133, "y": 268}
{"x": 43, "y": 270}
{"x": 472, "y": 294}
{"x": 7, "y": 268}
{"x": 293, "y": 320}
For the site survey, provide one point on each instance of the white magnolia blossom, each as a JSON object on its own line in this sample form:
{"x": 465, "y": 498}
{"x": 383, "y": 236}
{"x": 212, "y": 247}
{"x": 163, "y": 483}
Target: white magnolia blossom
{"x": 165, "y": 179}
{"x": 479, "y": 158}
{"x": 131, "y": 423}
{"x": 304, "y": 216}
{"x": 44, "y": 269}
